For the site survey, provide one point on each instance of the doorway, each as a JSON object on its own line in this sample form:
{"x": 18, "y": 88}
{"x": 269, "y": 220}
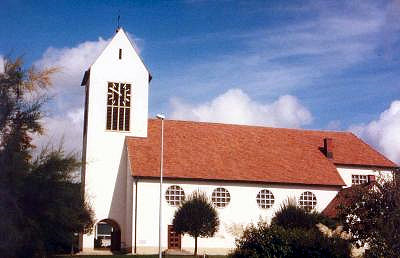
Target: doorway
{"x": 108, "y": 235}
{"x": 174, "y": 239}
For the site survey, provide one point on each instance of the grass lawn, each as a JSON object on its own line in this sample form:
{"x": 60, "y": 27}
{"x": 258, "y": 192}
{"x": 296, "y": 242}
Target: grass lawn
{"x": 139, "y": 256}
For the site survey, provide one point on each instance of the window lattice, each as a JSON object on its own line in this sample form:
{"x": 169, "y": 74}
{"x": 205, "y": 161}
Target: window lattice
{"x": 359, "y": 179}
{"x": 265, "y": 199}
{"x": 174, "y": 195}
{"x": 308, "y": 201}
{"x": 220, "y": 197}
{"x": 118, "y": 106}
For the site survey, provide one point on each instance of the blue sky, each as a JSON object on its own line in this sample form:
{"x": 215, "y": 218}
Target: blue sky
{"x": 309, "y": 64}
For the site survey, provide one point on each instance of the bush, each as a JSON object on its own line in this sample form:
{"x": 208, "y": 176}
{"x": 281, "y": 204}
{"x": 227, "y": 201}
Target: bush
{"x": 275, "y": 241}
{"x": 291, "y": 216}
{"x": 292, "y": 233}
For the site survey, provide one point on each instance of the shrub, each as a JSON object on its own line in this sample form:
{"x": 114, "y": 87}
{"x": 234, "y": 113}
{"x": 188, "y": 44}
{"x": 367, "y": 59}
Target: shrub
{"x": 276, "y": 241}
{"x": 292, "y": 233}
{"x": 291, "y": 216}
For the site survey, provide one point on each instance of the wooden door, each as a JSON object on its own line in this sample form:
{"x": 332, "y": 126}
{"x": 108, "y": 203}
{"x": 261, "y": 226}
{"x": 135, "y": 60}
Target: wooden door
{"x": 174, "y": 239}
{"x": 115, "y": 240}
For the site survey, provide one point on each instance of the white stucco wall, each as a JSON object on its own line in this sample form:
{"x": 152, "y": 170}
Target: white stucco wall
{"x": 105, "y": 178}
{"x": 347, "y": 171}
{"x": 242, "y": 210}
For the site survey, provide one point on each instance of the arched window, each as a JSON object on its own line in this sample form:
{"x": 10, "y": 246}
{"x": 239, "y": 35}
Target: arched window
{"x": 174, "y": 195}
{"x": 220, "y": 197}
{"x": 265, "y": 199}
{"x": 307, "y": 201}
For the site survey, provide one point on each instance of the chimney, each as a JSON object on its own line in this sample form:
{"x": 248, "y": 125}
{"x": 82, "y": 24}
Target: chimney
{"x": 371, "y": 178}
{"x": 328, "y": 148}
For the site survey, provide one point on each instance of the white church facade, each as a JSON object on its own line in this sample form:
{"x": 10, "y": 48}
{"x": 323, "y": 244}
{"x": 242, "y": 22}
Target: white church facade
{"x": 246, "y": 171}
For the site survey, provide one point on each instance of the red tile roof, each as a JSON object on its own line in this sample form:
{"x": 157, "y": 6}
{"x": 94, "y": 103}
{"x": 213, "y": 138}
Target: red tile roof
{"x": 343, "y": 198}
{"x": 211, "y": 151}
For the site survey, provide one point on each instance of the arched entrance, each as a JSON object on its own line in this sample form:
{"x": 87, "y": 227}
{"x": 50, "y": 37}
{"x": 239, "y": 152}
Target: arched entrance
{"x": 108, "y": 235}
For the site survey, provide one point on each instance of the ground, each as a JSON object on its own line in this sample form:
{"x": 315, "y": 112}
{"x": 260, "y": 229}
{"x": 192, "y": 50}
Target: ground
{"x": 139, "y": 256}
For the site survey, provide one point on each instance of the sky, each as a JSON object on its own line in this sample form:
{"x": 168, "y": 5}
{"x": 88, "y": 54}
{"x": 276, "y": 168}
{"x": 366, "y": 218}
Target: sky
{"x": 325, "y": 65}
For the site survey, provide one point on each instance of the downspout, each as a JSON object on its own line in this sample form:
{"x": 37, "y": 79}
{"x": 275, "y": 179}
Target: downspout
{"x": 136, "y": 184}
{"x": 84, "y": 148}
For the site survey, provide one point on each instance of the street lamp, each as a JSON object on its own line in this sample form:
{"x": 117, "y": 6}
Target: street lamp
{"x": 74, "y": 235}
{"x": 161, "y": 117}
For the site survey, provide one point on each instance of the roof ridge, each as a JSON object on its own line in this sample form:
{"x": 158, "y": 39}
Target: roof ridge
{"x": 255, "y": 126}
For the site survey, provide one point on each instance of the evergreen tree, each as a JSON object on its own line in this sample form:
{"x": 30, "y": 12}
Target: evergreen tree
{"x": 40, "y": 202}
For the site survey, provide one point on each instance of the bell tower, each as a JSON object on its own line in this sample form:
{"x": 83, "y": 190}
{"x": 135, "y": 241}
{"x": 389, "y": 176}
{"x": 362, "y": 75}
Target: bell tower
{"x": 116, "y": 106}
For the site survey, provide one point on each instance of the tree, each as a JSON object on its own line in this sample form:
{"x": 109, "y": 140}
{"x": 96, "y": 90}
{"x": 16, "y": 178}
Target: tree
{"x": 373, "y": 217}
{"x": 197, "y": 217}
{"x": 40, "y": 201}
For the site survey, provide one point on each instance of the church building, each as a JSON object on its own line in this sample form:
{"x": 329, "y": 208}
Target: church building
{"x": 246, "y": 171}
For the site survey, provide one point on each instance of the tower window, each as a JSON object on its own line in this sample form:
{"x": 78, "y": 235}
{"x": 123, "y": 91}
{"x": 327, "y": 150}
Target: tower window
{"x": 118, "y": 106}
{"x": 120, "y": 53}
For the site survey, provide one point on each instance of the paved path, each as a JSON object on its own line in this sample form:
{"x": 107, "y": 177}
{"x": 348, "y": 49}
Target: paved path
{"x": 95, "y": 252}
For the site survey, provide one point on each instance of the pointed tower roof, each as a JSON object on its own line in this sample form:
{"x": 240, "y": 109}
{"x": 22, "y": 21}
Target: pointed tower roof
{"x": 119, "y": 35}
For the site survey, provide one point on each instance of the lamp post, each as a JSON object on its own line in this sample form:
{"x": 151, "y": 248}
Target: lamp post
{"x": 74, "y": 235}
{"x": 161, "y": 117}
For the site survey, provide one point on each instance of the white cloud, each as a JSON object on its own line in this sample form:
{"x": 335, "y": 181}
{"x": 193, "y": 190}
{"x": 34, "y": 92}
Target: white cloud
{"x": 236, "y": 107}
{"x": 64, "y": 128}
{"x": 65, "y": 119}
{"x": 334, "y": 125}
{"x": 137, "y": 43}
{"x": 65, "y": 110}
{"x": 72, "y": 62}
{"x": 383, "y": 133}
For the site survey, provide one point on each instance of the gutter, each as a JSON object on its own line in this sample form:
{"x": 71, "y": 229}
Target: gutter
{"x": 136, "y": 184}
{"x": 338, "y": 185}
{"x": 368, "y": 166}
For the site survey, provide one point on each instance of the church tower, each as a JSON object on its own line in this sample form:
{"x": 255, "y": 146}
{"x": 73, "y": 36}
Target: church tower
{"x": 116, "y": 106}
